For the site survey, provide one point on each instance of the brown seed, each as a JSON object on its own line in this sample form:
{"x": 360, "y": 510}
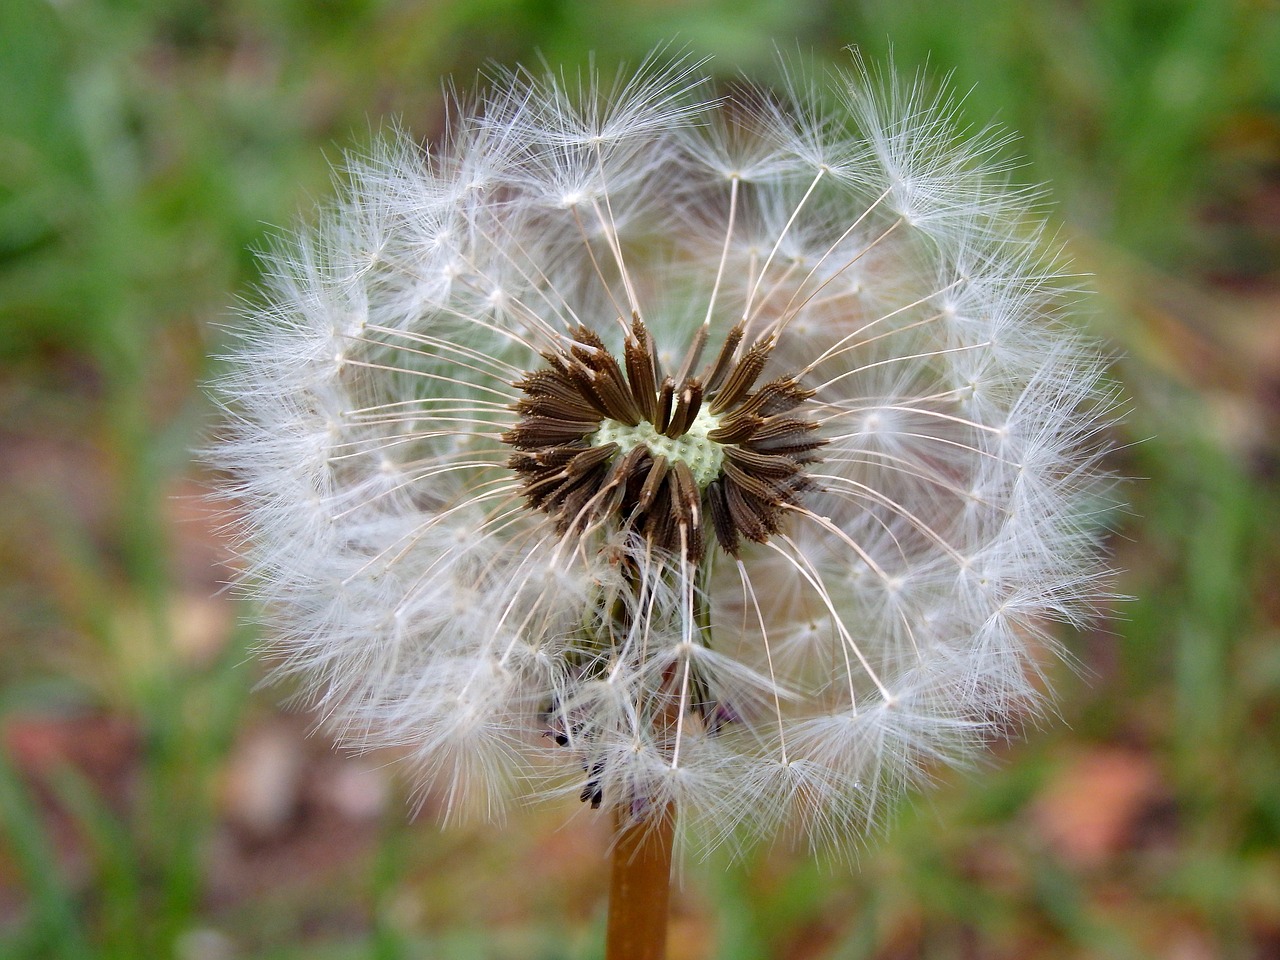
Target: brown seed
{"x": 582, "y": 485}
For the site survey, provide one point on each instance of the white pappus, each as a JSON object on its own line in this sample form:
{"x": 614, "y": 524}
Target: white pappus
{"x": 723, "y": 457}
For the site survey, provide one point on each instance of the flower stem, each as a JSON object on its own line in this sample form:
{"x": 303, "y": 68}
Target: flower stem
{"x": 639, "y": 888}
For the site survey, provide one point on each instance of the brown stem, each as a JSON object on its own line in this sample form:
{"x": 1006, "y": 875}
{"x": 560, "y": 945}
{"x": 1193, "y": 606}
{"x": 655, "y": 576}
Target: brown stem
{"x": 639, "y": 888}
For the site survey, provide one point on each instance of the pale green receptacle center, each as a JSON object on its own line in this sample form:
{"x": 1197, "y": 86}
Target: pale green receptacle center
{"x": 702, "y": 455}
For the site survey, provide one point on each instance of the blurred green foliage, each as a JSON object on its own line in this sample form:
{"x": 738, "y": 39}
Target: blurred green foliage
{"x": 145, "y": 148}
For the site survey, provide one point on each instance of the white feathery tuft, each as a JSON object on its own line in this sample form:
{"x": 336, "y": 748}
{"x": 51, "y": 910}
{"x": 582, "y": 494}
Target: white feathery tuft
{"x": 891, "y": 618}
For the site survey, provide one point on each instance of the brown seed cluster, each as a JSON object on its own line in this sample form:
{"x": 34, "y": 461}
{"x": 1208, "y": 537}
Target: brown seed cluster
{"x": 581, "y": 484}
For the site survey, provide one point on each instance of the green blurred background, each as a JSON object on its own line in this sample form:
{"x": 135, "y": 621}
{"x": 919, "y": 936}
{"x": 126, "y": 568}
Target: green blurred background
{"x": 155, "y": 803}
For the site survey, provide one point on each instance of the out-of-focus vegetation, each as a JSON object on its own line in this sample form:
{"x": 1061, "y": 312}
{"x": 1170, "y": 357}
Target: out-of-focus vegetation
{"x": 154, "y": 804}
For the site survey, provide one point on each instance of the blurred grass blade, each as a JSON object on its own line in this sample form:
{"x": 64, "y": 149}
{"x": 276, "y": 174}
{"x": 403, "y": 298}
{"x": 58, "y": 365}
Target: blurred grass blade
{"x": 118, "y": 882}
{"x": 56, "y": 927}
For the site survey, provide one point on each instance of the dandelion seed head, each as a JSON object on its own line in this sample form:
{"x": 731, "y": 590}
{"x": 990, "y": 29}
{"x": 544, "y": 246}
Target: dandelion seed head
{"x": 725, "y": 455}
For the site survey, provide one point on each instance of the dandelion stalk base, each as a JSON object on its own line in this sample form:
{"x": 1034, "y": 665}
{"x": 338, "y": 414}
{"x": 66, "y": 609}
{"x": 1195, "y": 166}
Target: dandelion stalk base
{"x": 639, "y": 889}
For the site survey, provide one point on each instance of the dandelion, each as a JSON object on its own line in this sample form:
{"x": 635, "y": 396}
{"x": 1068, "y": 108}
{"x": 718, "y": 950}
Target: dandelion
{"x": 719, "y": 461}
